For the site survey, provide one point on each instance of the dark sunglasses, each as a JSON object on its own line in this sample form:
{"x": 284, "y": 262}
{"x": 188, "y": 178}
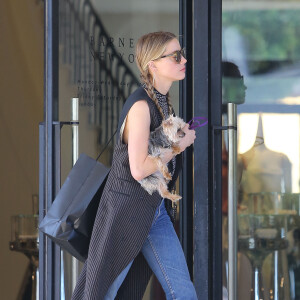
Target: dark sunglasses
{"x": 178, "y": 54}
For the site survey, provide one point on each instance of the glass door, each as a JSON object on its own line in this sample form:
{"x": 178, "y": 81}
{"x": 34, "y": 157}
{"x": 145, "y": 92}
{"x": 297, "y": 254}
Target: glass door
{"x": 260, "y": 73}
{"x": 97, "y": 67}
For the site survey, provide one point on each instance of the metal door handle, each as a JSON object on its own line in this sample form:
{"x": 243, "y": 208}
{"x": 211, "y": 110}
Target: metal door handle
{"x": 232, "y": 195}
{"x": 75, "y": 155}
{"x": 232, "y": 201}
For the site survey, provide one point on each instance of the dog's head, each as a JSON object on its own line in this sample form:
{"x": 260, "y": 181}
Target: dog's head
{"x": 172, "y": 128}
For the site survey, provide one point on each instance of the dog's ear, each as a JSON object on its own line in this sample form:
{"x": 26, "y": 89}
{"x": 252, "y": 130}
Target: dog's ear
{"x": 168, "y": 122}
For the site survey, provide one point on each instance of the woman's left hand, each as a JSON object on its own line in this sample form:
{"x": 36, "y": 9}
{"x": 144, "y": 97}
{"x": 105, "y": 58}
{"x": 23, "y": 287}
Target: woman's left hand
{"x": 188, "y": 139}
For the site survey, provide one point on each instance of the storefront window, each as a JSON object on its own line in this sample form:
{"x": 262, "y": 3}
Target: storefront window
{"x": 261, "y": 74}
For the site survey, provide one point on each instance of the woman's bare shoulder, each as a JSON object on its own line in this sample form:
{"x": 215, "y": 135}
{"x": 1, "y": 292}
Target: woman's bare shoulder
{"x": 139, "y": 109}
{"x": 137, "y": 120}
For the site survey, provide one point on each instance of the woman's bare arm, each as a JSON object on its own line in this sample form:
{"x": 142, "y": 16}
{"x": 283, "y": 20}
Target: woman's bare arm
{"x": 136, "y": 135}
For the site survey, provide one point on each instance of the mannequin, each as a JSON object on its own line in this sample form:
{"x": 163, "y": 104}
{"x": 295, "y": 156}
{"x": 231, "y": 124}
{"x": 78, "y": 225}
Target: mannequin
{"x": 267, "y": 172}
{"x": 262, "y": 169}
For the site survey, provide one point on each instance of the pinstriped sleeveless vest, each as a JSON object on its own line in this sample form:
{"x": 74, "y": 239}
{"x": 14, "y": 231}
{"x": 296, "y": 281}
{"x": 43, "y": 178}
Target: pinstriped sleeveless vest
{"x": 122, "y": 223}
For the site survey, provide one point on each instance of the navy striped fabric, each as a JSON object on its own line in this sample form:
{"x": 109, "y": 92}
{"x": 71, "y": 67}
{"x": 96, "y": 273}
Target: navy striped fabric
{"x": 122, "y": 223}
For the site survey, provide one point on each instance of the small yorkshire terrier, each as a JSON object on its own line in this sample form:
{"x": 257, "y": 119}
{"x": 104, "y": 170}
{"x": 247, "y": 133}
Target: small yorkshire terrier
{"x": 164, "y": 138}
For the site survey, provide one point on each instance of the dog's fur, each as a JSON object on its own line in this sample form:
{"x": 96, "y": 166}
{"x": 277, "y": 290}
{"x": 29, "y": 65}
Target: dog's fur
{"x": 164, "y": 138}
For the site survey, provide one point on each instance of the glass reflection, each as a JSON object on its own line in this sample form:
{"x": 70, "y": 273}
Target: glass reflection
{"x": 259, "y": 236}
{"x": 233, "y": 86}
{"x": 234, "y": 91}
{"x": 260, "y": 38}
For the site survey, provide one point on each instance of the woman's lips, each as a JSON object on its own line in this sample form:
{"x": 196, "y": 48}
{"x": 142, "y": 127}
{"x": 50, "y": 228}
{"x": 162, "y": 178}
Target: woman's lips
{"x": 183, "y": 70}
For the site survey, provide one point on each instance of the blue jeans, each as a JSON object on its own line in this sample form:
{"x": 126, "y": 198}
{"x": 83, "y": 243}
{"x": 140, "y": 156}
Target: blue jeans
{"x": 163, "y": 253}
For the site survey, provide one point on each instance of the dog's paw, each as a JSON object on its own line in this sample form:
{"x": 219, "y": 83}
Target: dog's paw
{"x": 167, "y": 175}
{"x": 174, "y": 197}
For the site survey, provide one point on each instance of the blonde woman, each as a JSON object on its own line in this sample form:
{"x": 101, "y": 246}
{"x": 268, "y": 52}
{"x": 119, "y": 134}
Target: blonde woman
{"x": 133, "y": 235}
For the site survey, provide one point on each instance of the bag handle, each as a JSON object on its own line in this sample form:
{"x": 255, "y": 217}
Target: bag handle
{"x": 106, "y": 144}
{"x": 194, "y": 123}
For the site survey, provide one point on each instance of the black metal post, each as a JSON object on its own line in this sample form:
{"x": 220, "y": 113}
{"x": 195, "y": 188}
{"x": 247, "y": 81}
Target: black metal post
{"x": 208, "y": 155}
{"x": 49, "y": 254}
{"x": 186, "y": 112}
{"x": 216, "y": 153}
{"x": 201, "y": 93}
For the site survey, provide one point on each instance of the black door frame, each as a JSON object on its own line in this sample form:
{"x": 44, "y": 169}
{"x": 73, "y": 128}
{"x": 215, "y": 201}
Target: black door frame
{"x": 207, "y": 92}
{"x": 49, "y": 155}
{"x": 200, "y": 29}
{"x": 186, "y": 112}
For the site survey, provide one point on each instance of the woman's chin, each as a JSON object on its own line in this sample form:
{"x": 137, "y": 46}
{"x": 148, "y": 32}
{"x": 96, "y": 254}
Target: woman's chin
{"x": 181, "y": 76}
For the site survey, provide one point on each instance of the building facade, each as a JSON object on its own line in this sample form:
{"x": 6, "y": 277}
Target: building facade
{"x": 242, "y": 176}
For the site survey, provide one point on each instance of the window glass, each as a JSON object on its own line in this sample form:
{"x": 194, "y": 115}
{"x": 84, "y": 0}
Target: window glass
{"x": 260, "y": 68}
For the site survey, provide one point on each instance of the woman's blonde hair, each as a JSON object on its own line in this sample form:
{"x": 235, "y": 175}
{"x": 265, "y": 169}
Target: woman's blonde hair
{"x": 149, "y": 47}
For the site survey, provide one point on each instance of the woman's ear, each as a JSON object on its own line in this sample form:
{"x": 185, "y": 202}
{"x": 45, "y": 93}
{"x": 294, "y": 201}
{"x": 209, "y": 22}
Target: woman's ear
{"x": 152, "y": 66}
